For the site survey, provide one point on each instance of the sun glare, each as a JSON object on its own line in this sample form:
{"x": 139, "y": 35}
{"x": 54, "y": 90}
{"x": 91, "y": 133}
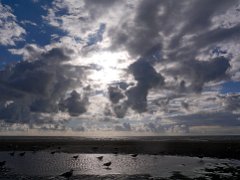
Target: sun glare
{"x": 108, "y": 66}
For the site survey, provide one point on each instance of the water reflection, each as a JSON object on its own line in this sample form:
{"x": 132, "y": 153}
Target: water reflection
{"x": 46, "y": 164}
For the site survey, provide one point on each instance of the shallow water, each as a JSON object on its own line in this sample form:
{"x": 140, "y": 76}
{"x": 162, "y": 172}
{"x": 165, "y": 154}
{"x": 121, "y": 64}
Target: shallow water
{"x": 44, "y": 163}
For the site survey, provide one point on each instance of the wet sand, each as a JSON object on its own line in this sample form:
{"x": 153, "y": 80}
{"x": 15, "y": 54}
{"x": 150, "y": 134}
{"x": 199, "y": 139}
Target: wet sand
{"x": 209, "y": 146}
{"x": 44, "y": 165}
{"x": 162, "y": 158}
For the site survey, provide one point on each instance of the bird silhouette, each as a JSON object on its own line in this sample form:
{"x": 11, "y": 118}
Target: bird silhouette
{"x": 53, "y": 152}
{"x": 100, "y": 158}
{"x": 115, "y": 152}
{"x": 107, "y": 164}
{"x": 95, "y": 148}
{"x": 75, "y": 157}
{"x": 2, "y": 163}
{"x": 67, "y": 174}
{"x": 22, "y": 154}
{"x": 134, "y": 155}
{"x": 35, "y": 149}
{"x": 201, "y": 158}
{"x": 12, "y": 153}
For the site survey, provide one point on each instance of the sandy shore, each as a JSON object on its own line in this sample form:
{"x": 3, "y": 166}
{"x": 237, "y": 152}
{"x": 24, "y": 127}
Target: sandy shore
{"x": 211, "y": 147}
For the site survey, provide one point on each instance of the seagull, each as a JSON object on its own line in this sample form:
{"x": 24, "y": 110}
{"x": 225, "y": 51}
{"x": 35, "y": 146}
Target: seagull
{"x": 35, "y": 149}
{"x": 12, "y": 153}
{"x": 115, "y": 152}
{"x": 67, "y": 174}
{"x": 201, "y": 158}
{"x": 94, "y": 148}
{"x": 53, "y": 152}
{"x": 22, "y": 154}
{"x": 75, "y": 157}
{"x": 134, "y": 155}
{"x": 2, "y": 163}
{"x": 100, "y": 157}
{"x": 107, "y": 164}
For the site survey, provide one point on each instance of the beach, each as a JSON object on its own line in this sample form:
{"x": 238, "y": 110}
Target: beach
{"x": 130, "y": 157}
{"x": 207, "y": 146}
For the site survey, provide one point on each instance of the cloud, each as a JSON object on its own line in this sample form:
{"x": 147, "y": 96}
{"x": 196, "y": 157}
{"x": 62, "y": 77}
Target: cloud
{"x": 146, "y": 78}
{"x": 10, "y": 30}
{"x": 29, "y": 52}
{"x": 123, "y": 127}
{"x": 82, "y": 12}
{"x": 223, "y": 119}
{"x": 154, "y": 66}
{"x": 26, "y": 22}
{"x": 157, "y": 128}
{"x": 232, "y": 102}
{"x": 115, "y": 94}
{"x": 200, "y": 72}
{"x": 15, "y": 113}
{"x": 120, "y": 109}
{"x": 37, "y": 86}
{"x": 178, "y": 39}
{"x": 75, "y": 105}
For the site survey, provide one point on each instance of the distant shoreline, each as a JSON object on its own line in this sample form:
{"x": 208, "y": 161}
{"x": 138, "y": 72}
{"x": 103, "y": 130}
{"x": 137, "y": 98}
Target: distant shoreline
{"x": 200, "y": 146}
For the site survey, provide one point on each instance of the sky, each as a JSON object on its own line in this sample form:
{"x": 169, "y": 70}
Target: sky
{"x": 142, "y": 67}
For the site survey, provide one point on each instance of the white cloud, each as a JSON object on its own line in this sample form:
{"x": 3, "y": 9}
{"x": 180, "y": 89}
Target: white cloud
{"x": 26, "y": 22}
{"x": 83, "y": 18}
{"x": 10, "y": 30}
{"x": 29, "y": 52}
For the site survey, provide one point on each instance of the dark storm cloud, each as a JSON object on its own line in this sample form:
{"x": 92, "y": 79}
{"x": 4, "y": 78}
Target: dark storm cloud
{"x": 15, "y": 113}
{"x": 200, "y": 72}
{"x": 145, "y": 74}
{"x": 115, "y": 94}
{"x": 142, "y": 37}
{"x": 44, "y": 76}
{"x": 32, "y": 81}
{"x": 43, "y": 105}
{"x": 146, "y": 78}
{"x": 137, "y": 98}
{"x": 217, "y": 35}
{"x": 75, "y": 104}
{"x": 201, "y": 12}
{"x": 8, "y": 92}
{"x": 207, "y": 40}
{"x": 37, "y": 87}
